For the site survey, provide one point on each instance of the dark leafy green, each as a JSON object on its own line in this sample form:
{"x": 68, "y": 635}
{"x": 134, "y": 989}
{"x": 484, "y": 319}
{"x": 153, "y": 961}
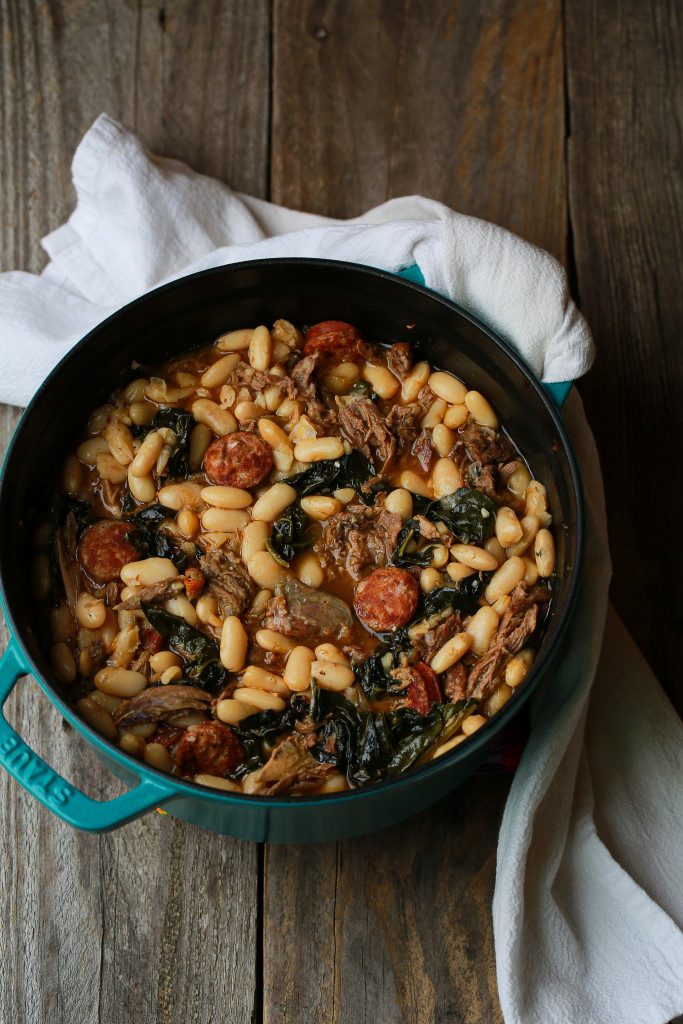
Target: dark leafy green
{"x": 146, "y": 537}
{"x": 410, "y": 531}
{"x": 259, "y": 732}
{"x": 363, "y": 389}
{"x": 202, "y": 651}
{"x": 180, "y": 422}
{"x": 60, "y": 507}
{"x": 373, "y": 676}
{"x": 469, "y": 514}
{"x": 368, "y": 746}
{"x": 292, "y": 532}
{"x": 352, "y": 470}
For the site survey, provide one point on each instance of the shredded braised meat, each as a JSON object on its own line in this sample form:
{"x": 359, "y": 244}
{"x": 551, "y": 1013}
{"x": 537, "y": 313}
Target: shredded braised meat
{"x": 400, "y": 359}
{"x": 291, "y": 769}
{"x": 423, "y": 449}
{"x": 228, "y": 581}
{"x": 516, "y": 626}
{"x": 360, "y": 536}
{"x": 366, "y": 429}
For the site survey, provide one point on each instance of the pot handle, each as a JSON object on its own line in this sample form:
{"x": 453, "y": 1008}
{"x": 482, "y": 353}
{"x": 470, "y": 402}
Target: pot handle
{"x": 47, "y": 786}
{"x": 558, "y": 392}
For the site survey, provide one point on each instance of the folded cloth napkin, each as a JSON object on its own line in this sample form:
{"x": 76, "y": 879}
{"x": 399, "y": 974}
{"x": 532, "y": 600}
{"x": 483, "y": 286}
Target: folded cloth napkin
{"x": 587, "y": 908}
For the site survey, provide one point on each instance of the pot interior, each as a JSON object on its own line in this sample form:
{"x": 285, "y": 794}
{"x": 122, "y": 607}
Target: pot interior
{"x": 193, "y": 311}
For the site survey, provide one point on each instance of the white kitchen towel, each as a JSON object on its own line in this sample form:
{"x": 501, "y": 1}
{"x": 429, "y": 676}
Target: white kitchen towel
{"x": 141, "y": 220}
{"x": 587, "y": 908}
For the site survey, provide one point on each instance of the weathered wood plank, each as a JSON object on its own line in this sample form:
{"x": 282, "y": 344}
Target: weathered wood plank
{"x": 191, "y": 78}
{"x": 626, "y": 193}
{"x": 155, "y": 922}
{"x": 461, "y": 103}
{"x": 464, "y": 104}
{"x": 393, "y": 926}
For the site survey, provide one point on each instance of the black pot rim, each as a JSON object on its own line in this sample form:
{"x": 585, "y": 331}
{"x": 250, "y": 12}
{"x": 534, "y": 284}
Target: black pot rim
{"x": 493, "y": 726}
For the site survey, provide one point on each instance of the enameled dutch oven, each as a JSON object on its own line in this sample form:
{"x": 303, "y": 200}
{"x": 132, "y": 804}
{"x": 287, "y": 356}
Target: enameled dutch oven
{"x": 191, "y": 312}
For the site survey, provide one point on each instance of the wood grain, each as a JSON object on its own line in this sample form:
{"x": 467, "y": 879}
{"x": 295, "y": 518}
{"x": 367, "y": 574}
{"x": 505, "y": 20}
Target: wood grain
{"x": 394, "y": 926}
{"x": 461, "y": 102}
{"x": 156, "y": 922}
{"x": 191, "y": 77}
{"x": 626, "y": 192}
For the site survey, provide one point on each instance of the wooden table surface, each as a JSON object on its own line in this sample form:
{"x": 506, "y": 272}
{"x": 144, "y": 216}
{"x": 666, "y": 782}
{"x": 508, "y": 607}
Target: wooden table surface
{"x": 559, "y": 119}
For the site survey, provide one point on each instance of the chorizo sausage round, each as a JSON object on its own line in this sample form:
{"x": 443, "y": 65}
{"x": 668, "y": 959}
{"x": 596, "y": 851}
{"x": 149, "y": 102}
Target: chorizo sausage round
{"x": 238, "y": 460}
{"x": 386, "y": 599}
{"x": 103, "y": 550}
{"x": 334, "y": 339}
{"x": 423, "y": 689}
{"x": 209, "y": 748}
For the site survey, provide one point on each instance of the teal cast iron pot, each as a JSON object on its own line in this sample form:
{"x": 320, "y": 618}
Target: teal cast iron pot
{"x": 194, "y": 311}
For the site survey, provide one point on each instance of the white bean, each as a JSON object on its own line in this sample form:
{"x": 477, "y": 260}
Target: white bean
{"x": 446, "y": 477}
{"x": 90, "y": 611}
{"x": 226, "y": 497}
{"x": 265, "y": 571}
{"x": 318, "y": 448}
{"x": 415, "y": 381}
{"x": 400, "y": 502}
{"x": 434, "y": 414}
{"x": 505, "y": 579}
{"x": 443, "y": 439}
{"x": 430, "y": 579}
{"x": 63, "y": 662}
{"x": 235, "y": 341}
{"x": 233, "y": 711}
{"x": 273, "y": 503}
{"x": 447, "y": 387}
{"x": 225, "y": 520}
{"x": 254, "y": 537}
{"x": 481, "y": 628}
{"x": 474, "y": 557}
{"x": 97, "y": 717}
{"x": 451, "y": 652}
{"x": 529, "y": 526}
{"x": 320, "y": 506}
{"x": 382, "y": 380}
{"x": 177, "y": 496}
{"x": 308, "y": 569}
{"x": 544, "y": 551}
{"x": 214, "y": 416}
{"x": 329, "y": 652}
{"x": 183, "y": 608}
{"x": 297, "y": 674}
{"x": 456, "y": 416}
{"x": 234, "y": 643}
{"x": 261, "y": 679}
{"x": 415, "y": 484}
{"x": 219, "y": 372}
{"x": 259, "y": 348}
{"x": 200, "y": 439}
{"x": 261, "y": 699}
{"x": 216, "y": 782}
{"x": 156, "y": 755}
{"x": 148, "y": 571}
{"x": 121, "y": 682}
{"x": 481, "y": 410}
{"x": 331, "y": 676}
{"x": 508, "y": 527}
{"x": 472, "y": 723}
{"x": 270, "y": 640}
{"x": 147, "y": 455}
{"x": 498, "y": 698}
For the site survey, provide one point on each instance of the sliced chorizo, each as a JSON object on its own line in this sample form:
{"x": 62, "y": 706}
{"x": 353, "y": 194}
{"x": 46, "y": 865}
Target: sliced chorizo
{"x": 334, "y": 340}
{"x": 423, "y": 689}
{"x": 103, "y": 550}
{"x": 238, "y": 460}
{"x": 386, "y": 599}
{"x": 209, "y": 748}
